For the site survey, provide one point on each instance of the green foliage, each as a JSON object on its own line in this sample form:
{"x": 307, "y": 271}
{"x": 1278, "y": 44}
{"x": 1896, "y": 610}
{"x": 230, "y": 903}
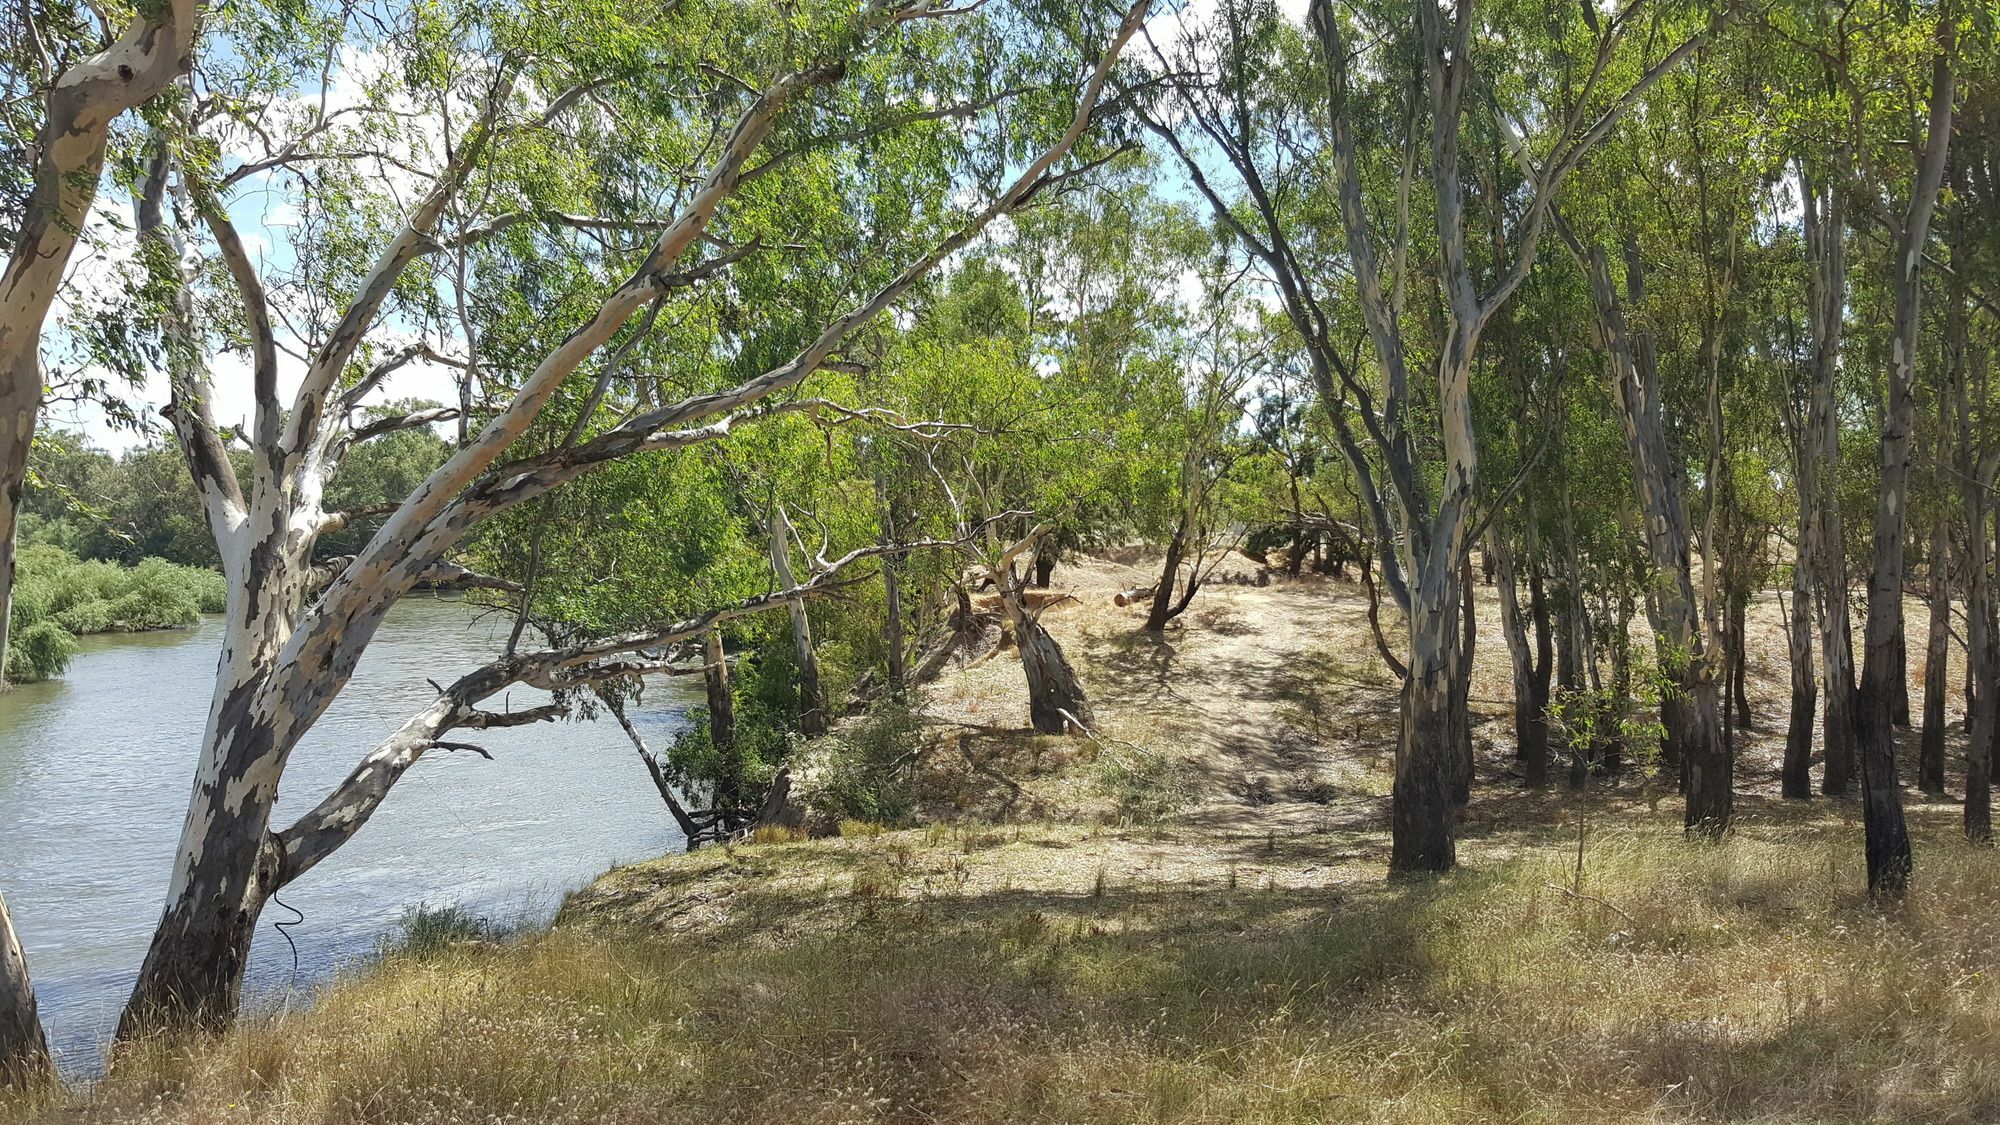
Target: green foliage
{"x": 425, "y": 931}
{"x": 58, "y": 597}
{"x": 39, "y": 652}
{"x": 863, "y": 767}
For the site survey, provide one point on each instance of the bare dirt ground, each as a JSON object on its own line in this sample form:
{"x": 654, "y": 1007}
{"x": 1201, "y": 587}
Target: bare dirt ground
{"x": 1250, "y": 744}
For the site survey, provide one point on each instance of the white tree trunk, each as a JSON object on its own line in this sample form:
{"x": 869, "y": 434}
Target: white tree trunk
{"x": 69, "y": 152}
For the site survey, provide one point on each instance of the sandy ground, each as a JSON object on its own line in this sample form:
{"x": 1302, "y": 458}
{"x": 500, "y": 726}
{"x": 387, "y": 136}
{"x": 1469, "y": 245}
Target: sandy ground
{"x": 1264, "y": 724}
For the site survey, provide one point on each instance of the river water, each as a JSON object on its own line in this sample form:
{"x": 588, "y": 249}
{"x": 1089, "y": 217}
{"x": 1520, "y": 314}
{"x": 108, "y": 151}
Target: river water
{"x": 95, "y": 771}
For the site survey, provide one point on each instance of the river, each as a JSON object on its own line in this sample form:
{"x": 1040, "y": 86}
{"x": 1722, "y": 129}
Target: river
{"x": 95, "y": 770}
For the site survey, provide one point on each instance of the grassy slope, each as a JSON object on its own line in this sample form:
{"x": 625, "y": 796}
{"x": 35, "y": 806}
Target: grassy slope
{"x": 1038, "y": 952}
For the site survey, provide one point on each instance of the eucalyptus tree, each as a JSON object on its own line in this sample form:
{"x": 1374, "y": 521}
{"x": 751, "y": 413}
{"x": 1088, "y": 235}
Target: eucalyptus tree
{"x": 1293, "y": 149}
{"x": 688, "y": 113}
{"x": 83, "y": 87}
{"x": 1888, "y": 840}
{"x": 82, "y": 83}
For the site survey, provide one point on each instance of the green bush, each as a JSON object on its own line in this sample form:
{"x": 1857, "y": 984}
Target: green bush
{"x": 429, "y": 930}
{"x": 58, "y": 597}
{"x": 864, "y": 767}
{"x": 93, "y": 616}
{"x": 38, "y": 652}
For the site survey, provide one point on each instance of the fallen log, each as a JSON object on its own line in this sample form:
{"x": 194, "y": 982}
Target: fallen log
{"x": 1135, "y": 594}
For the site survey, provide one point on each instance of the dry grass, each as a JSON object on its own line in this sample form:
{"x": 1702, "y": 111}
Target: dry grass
{"x": 1741, "y": 982}
{"x": 1184, "y": 921}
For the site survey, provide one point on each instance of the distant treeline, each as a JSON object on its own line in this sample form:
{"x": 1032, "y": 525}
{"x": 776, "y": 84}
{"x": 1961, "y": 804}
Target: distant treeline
{"x": 118, "y": 544}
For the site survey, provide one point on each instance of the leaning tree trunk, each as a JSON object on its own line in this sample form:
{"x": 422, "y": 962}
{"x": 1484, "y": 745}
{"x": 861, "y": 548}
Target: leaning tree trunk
{"x": 1691, "y": 712}
{"x": 1797, "y": 773}
{"x": 1056, "y": 702}
{"x": 1163, "y": 593}
{"x": 1888, "y": 837}
{"x": 24, "y": 1052}
{"x": 812, "y": 708}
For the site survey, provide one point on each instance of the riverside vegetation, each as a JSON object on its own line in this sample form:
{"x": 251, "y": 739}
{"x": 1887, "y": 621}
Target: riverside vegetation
{"x": 1122, "y": 938}
{"x": 1125, "y": 475}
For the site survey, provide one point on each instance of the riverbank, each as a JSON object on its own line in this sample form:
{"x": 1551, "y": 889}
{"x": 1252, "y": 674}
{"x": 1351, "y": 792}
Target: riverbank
{"x": 59, "y": 597}
{"x": 1183, "y": 920}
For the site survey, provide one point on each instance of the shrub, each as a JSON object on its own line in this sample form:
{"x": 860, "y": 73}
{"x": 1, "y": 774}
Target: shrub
{"x": 93, "y": 616}
{"x": 72, "y": 598}
{"x": 863, "y": 766}
{"x": 429, "y": 930}
{"x": 38, "y": 652}
{"x": 1146, "y": 787}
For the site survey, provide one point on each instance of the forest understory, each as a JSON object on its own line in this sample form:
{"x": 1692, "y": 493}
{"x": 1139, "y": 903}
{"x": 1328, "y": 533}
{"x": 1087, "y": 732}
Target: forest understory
{"x": 1183, "y": 918}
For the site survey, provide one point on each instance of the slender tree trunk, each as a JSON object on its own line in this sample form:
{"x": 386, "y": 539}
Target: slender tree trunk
{"x": 1531, "y": 728}
{"x": 24, "y": 1052}
{"x": 892, "y": 592}
{"x": 1538, "y": 613}
{"x": 1977, "y": 464}
{"x": 1889, "y": 858}
{"x": 1461, "y": 690}
{"x": 1691, "y": 712}
{"x": 1937, "y": 652}
{"x": 1825, "y": 234}
{"x": 721, "y": 720}
{"x": 812, "y": 708}
{"x": 690, "y": 832}
{"x": 1797, "y": 777}
{"x": 1739, "y": 656}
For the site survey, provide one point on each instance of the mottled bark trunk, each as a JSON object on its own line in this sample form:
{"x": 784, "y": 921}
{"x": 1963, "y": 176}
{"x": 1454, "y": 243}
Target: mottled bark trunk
{"x": 1420, "y": 807}
{"x": 1796, "y": 782}
{"x": 1691, "y": 713}
{"x": 812, "y": 713}
{"x": 1825, "y": 234}
{"x": 227, "y": 865}
{"x": 24, "y": 1052}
